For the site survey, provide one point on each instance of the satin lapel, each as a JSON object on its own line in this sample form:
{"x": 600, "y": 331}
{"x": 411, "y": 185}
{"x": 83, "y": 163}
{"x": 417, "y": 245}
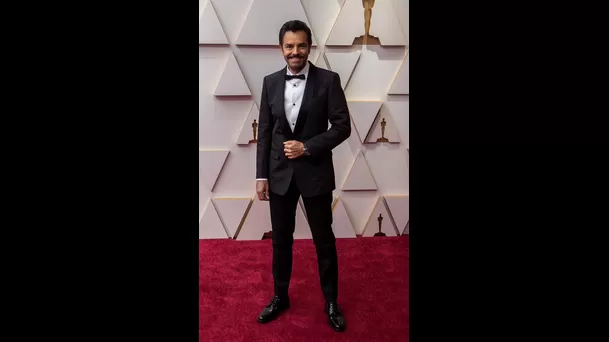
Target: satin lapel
{"x": 306, "y": 99}
{"x": 279, "y": 102}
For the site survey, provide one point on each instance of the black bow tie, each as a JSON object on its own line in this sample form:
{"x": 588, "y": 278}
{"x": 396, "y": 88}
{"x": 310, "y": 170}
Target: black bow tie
{"x": 289, "y": 77}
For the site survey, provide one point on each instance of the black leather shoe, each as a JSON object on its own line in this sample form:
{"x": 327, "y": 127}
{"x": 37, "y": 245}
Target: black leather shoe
{"x": 272, "y": 310}
{"x": 336, "y": 318}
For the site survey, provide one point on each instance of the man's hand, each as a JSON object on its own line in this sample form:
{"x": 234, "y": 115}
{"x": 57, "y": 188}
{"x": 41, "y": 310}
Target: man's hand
{"x": 293, "y": 149}
{"x": 262, "y": 189}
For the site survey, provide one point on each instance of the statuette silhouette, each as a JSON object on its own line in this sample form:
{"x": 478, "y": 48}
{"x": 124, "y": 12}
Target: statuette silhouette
{"x": 367, "y": 39}
{"x": 254, "y": 131}
{"x": 380, "y": 219}
{"x": 382, "y": 138}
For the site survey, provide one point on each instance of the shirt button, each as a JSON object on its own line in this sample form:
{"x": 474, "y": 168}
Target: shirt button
{"x": 295, "y": 84}
{"x": 293, "y": 104}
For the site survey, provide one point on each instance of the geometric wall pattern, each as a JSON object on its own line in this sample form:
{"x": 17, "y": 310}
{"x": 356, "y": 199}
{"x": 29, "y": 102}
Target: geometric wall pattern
{"x": 250, "y": 128}
{"x": 321, "y": 62}
{"x": 210, "y": 226}
{"x": 232, "y": 82}
{"x": 210, "y": 164}
{"x": 343, "y": 64}
{"x": 257, "y": 221}
{"x": 210, "y": 29}
{"x": 363, "y": 114}
{"x": 399, "y": 210}
{"x": 401, "y": 84}
{"x": 383, "y": 129}
{"x": 265, "y": 17}
{"x": 231, "y": 212}
{"x": 360, "y": 177}
{"x": 384, "y": 24}
{"x": 379, "y": 221}
{"x": 302, "y": 230}
{"x": 342, "y": 226}
{"x": 238, "y": 46}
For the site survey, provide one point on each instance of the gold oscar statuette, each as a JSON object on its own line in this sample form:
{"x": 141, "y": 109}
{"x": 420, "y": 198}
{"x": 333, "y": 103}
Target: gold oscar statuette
{"x": 382, "y": 138}
{"x": 367, "y": 39}
{"x": 380, "y": 219}
{"x": 254, "y": 131}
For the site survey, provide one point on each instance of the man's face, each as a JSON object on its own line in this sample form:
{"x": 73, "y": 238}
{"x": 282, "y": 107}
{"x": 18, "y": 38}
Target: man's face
{"x": 295, "y": 50}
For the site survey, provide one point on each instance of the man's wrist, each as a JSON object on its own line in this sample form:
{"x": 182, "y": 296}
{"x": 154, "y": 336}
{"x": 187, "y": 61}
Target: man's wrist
{"x": 306, "y": 150}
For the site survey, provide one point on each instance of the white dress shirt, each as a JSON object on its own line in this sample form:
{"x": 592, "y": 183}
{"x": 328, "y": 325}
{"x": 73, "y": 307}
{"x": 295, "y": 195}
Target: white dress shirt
{"x": 293, "y": 93}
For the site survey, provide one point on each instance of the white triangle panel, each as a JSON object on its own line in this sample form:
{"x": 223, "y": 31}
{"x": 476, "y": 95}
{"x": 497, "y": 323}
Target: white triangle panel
{"x": 301, "y": 203}
{"x": 265, "y": 18}
{"x": 231, "y": 212}
{"x": 359, "y": 177}
{"x": 401, "y": 82}
{"x": 257, "y": 221}
{"x": 350, "y": 24}
{"x": 379, "y": 214}
{"x": 232, "y": 82}
{"x": 210, "y": 226}
{"x": 342, "y": 226}
{"x": 246, "y": 136}
{"x": 363, "y": 114}
{"x": 343, "y": 64}
{"x": 210, "y": 29}
{"x": 321, "y": 63}
{"x": 210, "y": 165}
{"x": 390, "y": 133}
{"x": 314, "y": 55}
{"x": 322, "y": 14}
{"x": 399, "y": 210}
{"x": 302, "y": 230}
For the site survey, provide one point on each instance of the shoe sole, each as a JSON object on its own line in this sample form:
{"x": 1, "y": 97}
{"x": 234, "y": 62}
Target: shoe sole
{"x": 270, "y": 320}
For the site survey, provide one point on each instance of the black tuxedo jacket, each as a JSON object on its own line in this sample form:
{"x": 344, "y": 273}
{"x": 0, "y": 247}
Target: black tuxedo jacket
{"x": 323, "y": 101}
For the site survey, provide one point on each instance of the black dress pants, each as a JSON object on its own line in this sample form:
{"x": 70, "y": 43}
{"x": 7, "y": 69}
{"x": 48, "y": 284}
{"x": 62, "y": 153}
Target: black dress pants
{"x": 283, "y": 221}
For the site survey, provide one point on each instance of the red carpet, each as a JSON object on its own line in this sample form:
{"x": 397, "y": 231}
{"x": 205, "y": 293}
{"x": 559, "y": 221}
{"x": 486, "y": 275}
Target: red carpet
{"x": 235, "y": 283}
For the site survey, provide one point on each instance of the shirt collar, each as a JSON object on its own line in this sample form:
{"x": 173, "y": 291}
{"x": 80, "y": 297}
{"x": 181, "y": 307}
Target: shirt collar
{"x": 304, "y": 71}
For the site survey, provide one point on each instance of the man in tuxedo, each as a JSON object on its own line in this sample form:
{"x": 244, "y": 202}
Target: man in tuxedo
{"x": 294, "y": 158}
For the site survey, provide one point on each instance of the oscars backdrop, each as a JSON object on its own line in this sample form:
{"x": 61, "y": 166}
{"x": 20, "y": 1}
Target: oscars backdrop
{"x": 366, "y": 43}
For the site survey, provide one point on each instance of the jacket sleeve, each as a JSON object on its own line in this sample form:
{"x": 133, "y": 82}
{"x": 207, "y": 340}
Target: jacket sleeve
{"x": 265, "y": 127}
{"x": 338, "y": 115}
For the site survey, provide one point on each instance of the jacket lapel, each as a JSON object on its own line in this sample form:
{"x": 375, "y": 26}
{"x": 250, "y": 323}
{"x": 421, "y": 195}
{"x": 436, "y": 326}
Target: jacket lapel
{"x": 306, "y": 99}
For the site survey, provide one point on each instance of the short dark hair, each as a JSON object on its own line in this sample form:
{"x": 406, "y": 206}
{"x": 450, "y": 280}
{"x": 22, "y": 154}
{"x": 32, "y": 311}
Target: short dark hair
{"x": 293, "y": 26}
